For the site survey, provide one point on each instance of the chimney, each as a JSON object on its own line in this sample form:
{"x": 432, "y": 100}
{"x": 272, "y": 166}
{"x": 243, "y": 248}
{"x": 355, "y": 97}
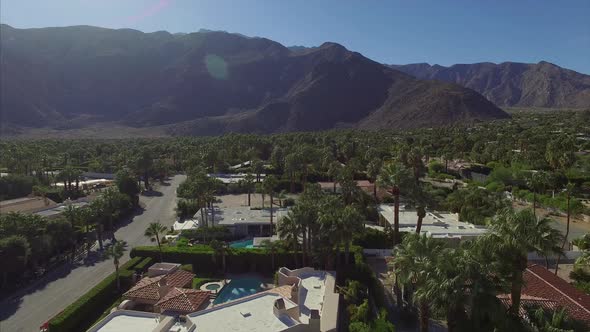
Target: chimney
{"x": 163, "y": 287}
{"x": 295, "y": 293}
{"x": 279, "y": 308}
{"x": 314, "y": 320}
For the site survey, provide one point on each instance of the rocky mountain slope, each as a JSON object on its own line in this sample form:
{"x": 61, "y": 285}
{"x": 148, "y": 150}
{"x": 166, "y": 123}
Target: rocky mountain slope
{"x": 208, "y": 83}
{"x": 513, "y": 84}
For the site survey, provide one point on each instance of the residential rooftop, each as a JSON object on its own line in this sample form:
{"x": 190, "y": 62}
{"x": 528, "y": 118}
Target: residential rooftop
{"x": 542, "y": 283}
{"x": 436, "y": 224}
{"x": 231, "y": 178}
{"x": 253, "y": 313}
{"x": 244, "y": 215}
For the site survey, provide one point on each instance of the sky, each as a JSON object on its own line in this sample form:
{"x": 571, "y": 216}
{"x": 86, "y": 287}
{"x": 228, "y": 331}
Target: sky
{"x": 441, "y": 32}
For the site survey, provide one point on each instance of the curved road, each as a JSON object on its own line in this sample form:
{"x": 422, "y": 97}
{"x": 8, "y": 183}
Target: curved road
{"x": 28, "y": 310}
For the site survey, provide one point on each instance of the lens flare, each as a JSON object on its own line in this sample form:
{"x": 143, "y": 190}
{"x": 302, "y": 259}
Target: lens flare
{"x": 216, "y": 66}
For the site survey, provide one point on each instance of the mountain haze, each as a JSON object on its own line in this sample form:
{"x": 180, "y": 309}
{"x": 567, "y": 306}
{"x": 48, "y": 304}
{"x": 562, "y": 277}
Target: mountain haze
{"x": 209, "y": 83}
{"x": 513, "y": 84}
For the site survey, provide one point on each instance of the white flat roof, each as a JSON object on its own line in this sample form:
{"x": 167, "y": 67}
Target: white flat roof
{"x": 124, "y": 321}
{"x": 315, "y": 284}
{"x": 231, "y": 178}
{"x": 245, "y": 216}
{"x": 253, "y": 313}
{"x": 435, "y": 224}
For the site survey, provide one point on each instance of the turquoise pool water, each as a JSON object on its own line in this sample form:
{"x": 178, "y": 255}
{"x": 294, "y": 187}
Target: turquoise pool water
{"x": 243, "y": 244}
{"x": 238, "y": 288}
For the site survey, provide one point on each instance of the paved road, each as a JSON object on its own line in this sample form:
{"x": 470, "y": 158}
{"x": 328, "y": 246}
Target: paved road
{"x": 28, "y": 311}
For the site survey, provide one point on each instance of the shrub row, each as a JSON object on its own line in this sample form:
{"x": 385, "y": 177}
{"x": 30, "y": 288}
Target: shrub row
{"x": 91, "y": 305}
{"x": 237, "y": 260}
{"x": 143, "y": 265}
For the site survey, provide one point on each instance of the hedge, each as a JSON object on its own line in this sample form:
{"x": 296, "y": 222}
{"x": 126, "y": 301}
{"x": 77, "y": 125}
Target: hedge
{"x": 90, "y": 306}
{"x": 237, "y": 261}
{"x": 143, "y": 265}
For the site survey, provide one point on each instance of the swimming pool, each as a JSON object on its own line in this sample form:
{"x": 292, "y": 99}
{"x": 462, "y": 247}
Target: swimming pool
{"x": 238, "y": 288}
{"x": 243, "y": 244}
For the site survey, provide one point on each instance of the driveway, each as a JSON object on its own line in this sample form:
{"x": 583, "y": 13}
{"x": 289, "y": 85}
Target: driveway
{"x": 33, "y": 306}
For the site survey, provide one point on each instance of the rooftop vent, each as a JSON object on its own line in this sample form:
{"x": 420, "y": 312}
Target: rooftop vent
{"x": 245, "y": 314}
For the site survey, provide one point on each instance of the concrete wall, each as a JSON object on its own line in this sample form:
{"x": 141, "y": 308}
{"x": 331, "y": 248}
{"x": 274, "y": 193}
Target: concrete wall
{"x": 329, "y": 315}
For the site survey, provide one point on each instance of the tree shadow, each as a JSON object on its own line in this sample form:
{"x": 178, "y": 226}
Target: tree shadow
{"x": 152, "y": 193}
{"x": 10, "y": 305}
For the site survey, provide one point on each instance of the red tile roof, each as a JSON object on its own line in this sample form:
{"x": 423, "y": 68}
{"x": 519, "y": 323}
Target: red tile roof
{"x": 528, "y": 301}
{"x": 147, "y": 288}
{"x": 183, "y": 300}
{"x": 541, "y": 283}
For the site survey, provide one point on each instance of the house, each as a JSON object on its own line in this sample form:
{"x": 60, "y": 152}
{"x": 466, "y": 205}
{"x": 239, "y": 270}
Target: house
{"x": 231, "y": 178}
{"x": 438, "y": 225}
{"x": 26, "y": 204}
{"x": 244, "y": 220}
{"x": 543, "y": 288}
{"x": 166, "y": 289}
{"x": 306, "y": 300}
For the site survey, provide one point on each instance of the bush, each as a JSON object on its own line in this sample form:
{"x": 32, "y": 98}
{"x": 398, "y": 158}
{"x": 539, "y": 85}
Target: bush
{"x": 374, "y": 239}
{"x": 16, "y": 185}
{"x": 198, "y": 282}
{"x": 90, "y": 306}
{"x": 288, "y": 202}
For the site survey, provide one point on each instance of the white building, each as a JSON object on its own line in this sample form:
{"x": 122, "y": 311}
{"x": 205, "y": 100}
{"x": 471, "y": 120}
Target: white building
{"x": 243, "y": 220}
{"x": 306, "y": 300}
{"x": 439, "y": 225}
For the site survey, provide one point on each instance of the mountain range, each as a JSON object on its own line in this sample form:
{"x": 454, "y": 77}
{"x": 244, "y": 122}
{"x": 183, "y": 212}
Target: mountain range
{"x": 516, "y": 84}
{"x": 209, "y": 82}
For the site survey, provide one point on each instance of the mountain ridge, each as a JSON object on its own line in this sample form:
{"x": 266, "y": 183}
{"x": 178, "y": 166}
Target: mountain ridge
{"x": 541, "y": 84}
{"x": 211, "y": 83}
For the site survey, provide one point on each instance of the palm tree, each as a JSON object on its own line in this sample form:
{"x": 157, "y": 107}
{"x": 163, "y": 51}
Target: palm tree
{"x": 413, "y": 259}
{"x": 537, "y": 182}
{"x": 512, "y": 236}
{"x": 153, "y": 231}
{"x": 350, "y": 223}
{"x": 282, "y": 197}
{"x": 395, "y": 176}
{"x": 116, "y": 251}
{"x": 571, "y": 210}
{"x": 220, "y": 248}
{"x": 261, "y": 190}
{"x": 72, "y": 215}
{"x": 288, "y": 230}
{"x": 269, "y": 185}
{"x": 271, "y": 246}
{"x": 248, "y": 182}
{"x": 421, "y": 213}
{"x": 373, "y": 169}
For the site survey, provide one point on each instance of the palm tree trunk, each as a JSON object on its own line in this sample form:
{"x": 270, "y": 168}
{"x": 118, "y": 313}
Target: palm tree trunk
{"x": 159, "y": 247}
{"x": 99, "y": 233}
{"x": 303, "y": 247}
{"x": 515, "y": 291}
{"x": 117, "y": 274}
{"x": 271, "y": 214}
{"x": 423, "y": 316}
{"x": 567, "y": 232}
{"x": 375, "y": 189}
{"x": 534, "y": 203}
{"x": 396, "y": 216}
{"x": 419, "y": 225}
{"x": 248, "y": 197}
{"x": 346, "y": 252}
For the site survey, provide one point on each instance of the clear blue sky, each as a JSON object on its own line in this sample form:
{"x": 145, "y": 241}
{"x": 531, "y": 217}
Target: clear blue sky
{"x": 438, "y": 31}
